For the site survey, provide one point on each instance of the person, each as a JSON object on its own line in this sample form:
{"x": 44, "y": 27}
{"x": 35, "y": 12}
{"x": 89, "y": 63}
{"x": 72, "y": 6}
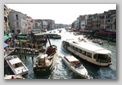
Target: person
{"x": 12, "y": 77}
{"x": 6, "y": 49}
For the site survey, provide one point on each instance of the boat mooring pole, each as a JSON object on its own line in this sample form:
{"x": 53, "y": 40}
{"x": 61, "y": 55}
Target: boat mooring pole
{"x": 49, "y": 40}
{"x": 32, "y": 60}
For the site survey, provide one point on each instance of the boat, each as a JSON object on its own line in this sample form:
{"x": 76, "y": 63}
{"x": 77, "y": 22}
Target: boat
{"x": 53, "y": 36}
{"x": 50, "y": 35}
{"x": 100, "y": 42}
{"x": 16, "y": 65}
{"x": 89, "y": 52}
{"x": 44, "y": 61}
{"x": 7, "y": 77}
{"x": 76, "y": 67}
{"x": 59, "y": 31}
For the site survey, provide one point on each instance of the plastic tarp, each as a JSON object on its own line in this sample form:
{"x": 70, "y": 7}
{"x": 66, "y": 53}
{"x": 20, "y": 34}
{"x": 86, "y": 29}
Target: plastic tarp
{"x": 5, "y": 45}
{"x": 6, "y": 37}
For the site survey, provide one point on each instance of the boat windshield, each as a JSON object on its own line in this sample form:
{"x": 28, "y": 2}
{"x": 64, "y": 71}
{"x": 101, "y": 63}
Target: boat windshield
{"x": 76, "y": 64}
{"x": 17, "y": 65}
{"x": 102, "y": 58}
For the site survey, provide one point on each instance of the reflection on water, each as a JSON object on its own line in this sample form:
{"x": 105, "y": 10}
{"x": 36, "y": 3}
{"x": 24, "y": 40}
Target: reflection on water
{"x": 60, "y": 71}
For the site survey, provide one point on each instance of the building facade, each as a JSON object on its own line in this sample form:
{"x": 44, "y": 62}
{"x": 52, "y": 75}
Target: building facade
{"x": 106, "y": 21}
{"x": 44, "y": 24}
{"x": 20, "y": 21}
{"x": 6, "y": 21}
{"x": 82, "y": 22}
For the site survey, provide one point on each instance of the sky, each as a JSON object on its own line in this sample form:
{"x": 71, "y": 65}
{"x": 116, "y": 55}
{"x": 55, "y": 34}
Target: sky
{"x": 61, "y": 13}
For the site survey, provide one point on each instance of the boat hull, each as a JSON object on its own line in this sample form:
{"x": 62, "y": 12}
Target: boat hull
{"x": 42, "y": 71}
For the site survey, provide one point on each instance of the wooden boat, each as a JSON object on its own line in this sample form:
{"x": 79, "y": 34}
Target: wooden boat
{"x": 75, "y": 66}
{"x": 89, "y": 52}
{"x": 44, "y": 61}
{"x": 16, "y": 65}
{"x": 13, "y": 77}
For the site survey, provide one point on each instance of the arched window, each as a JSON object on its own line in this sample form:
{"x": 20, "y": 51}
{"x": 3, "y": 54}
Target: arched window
{"x": 5, "y": 19}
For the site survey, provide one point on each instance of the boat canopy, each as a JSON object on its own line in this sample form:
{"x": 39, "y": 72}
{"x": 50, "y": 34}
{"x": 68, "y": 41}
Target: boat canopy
{"x": 6, "y": 37}
{"x": 14, "y": 61}
{"x": 71, "y": 58}
{"x": 5, "y": 45}
{"x": 90, "y": 47}
{"x": 42, "y": 55}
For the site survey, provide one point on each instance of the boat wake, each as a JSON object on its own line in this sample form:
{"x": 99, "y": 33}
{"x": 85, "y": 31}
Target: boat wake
{"x": 107, "y": 73}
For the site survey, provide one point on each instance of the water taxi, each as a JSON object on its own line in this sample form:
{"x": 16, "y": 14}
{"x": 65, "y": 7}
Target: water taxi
{"x": 87, "y": 51}
{"x": 16, "y": 65}
{"x": 76, "y": 67}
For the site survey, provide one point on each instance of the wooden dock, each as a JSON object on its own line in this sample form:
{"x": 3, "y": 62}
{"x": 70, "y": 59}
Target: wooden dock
{"x": 28, "y": 51}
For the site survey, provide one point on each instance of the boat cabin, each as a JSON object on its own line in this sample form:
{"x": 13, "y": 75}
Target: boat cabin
{"x": 73, "y": 61}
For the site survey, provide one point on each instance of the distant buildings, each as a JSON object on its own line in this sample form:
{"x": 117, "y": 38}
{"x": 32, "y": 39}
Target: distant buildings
{"x": 61, "y": 26}
{"x": 44, "y": 24}
{"x": 106, "y": 21}
{"x": 99, "y": 25}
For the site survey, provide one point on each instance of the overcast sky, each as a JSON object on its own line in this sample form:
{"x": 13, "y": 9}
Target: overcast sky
{"x": 61, "y": 13}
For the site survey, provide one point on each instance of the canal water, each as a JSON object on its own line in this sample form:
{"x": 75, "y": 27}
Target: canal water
{"x": 62, "y": 72}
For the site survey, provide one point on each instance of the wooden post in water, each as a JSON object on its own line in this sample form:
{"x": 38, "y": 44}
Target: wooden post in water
{"x": 48, "y": 40}
{"x": 32, "y": 59}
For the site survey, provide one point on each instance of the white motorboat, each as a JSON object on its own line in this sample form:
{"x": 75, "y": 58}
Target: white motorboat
{"x": 16, "y": 65}
{"x": 75, "y": 66}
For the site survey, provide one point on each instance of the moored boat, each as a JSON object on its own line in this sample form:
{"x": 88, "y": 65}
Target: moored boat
{"x": 16, "y": 65}
{"x": 50, "y": 35}
{"x": 44, "y": 61}
{"x": 76, "y": 67}
{"x": 9, "y": 77}
{"x": 53, "y": 36}
{"x": 89, "y": 52}
{"x": 59, "y": 31}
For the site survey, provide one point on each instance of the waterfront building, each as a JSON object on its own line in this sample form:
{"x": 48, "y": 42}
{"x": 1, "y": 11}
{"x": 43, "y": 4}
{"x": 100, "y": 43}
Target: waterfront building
{"x": 44, "y": 24}
{"x": 82, "y": 22}
{"x": 102, "y": 24}
{"x": 61, "y": 26}
{"x": 110, "y": 20}
{"x": 106, "y": 21}
{"x": 20, "y": 21}
{"x": 6, "y": 21}
{"x": 30, "y": 23}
